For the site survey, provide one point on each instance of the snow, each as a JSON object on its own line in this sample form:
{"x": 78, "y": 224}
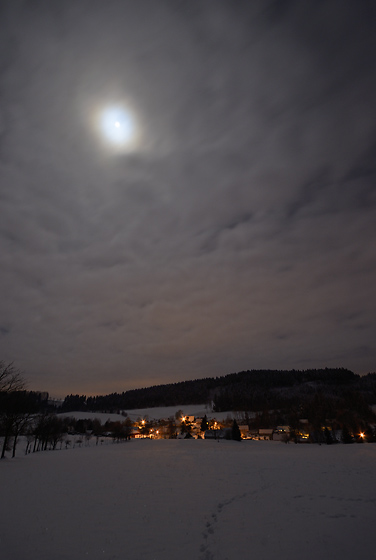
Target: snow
{"x": 197, "y": 410}
{"x": 190, "y": 500}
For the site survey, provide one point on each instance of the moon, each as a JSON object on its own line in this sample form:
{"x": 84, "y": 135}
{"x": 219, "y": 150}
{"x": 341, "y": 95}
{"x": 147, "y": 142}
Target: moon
{"x": 118, "y": 127}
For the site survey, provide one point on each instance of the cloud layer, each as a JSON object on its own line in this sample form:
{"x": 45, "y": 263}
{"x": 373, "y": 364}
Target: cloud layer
{"x": 239, "y": 233}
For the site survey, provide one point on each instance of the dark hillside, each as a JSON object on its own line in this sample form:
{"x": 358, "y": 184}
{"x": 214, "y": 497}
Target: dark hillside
{"x": 245, "y": 390}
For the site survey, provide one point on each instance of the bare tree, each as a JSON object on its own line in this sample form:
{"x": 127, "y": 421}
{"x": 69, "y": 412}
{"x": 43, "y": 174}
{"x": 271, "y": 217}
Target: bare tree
{"x": 21, "y": 420}
{"x": 10, "y": 378}
{"x": 12, "y": 413}
{"x": 49, "y": 430}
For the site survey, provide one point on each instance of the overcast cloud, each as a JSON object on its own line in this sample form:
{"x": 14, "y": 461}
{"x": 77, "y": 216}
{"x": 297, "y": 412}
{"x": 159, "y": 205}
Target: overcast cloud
{"x": 236, "y": 232}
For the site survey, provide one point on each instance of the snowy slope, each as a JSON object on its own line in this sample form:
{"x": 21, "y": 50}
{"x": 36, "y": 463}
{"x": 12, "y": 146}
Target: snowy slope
{"x": 190, "y": 500}
{"x": 197, "y": 410}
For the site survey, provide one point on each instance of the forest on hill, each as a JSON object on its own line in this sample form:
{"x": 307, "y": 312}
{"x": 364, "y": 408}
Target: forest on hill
{"x": 251, "y": 390}
{"x": 324, "y": 400}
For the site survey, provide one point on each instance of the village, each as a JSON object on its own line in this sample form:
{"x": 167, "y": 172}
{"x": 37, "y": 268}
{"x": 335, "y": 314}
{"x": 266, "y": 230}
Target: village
{"x": 192, "y": 427}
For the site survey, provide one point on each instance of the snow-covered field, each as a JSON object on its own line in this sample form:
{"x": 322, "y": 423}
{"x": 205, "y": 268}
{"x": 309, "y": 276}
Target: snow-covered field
{"x": 198, "y": 410}
{"x": 190, "y": 500}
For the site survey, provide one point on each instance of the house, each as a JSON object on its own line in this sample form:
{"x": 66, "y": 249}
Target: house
{"x": 281, "y": 433}
{"x": 134, "y": 433}
{"x": 304, "y": 430}
{"x": 265, "y": 433}
{"x": 244, "y": 431}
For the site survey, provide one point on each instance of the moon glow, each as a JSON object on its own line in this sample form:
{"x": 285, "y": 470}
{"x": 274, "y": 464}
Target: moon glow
{"x": 118, "y": 127}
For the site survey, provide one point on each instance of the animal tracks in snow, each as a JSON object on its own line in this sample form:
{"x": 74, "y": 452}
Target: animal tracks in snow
{"x": 212, "y": 525}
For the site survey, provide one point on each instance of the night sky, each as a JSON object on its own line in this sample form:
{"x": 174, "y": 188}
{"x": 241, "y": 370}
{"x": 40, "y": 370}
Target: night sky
{"x": 187, "y": 189}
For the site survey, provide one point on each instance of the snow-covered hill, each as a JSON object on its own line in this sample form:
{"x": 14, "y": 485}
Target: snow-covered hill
{"x": 197, "y": 410}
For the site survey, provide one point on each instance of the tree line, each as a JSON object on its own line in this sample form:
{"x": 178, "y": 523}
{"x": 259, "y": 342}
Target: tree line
{"x": 251, "y": 390}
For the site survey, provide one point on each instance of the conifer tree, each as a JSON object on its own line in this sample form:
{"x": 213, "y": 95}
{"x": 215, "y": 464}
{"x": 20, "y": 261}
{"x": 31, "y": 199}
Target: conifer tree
{"x": 204, "y": 424}
{"x": 346, "y": 436}
{"x": 235, "y": 432}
